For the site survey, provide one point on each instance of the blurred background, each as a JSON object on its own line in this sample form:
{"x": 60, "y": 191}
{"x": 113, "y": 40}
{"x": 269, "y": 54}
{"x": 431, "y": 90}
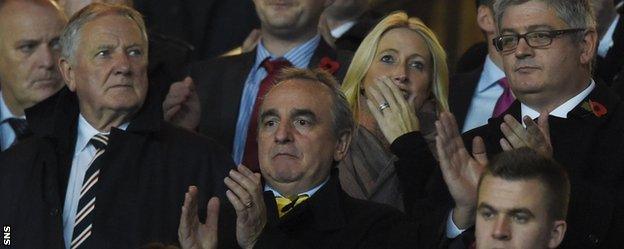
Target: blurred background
{"x": 215, "y": 27}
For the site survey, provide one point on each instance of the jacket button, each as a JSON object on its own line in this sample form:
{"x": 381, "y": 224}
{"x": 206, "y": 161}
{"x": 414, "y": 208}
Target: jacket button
{"x": 54, "y": 211}
{"x": 593, "y": 239}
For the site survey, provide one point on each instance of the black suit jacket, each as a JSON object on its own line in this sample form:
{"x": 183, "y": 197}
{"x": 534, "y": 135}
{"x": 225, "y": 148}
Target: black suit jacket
{"x": 351, "y": 39}
{"x": 590, "y": 148}
{"x": 212, "y": 27}
{"x": 609, "y": 68}
{"x": 461, "y": 90}
{"x": 332, "y": 219}
{"x": 220, "y": 84}
{"x": 141, "y": 189}
{"x": 473, "y": 58}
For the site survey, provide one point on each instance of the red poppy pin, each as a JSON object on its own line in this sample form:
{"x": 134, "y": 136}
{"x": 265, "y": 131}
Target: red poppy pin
{"x": 328, "y": 64}
{"x": 596, "y": 108}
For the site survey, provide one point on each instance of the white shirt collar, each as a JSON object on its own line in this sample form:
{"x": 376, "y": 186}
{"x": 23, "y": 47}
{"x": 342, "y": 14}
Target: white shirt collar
{"x": 490, "y": 75}
{"x": 563, "y": 110}
{"x": 310, "y": 192}
{"x": 607, "y": 40}
{"x": 5, "y": 113}
{"x": 86, "y": 132}
{"x": 342, "y": 29}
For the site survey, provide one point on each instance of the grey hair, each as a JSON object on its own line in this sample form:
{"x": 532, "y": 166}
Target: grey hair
{"x": 71, "y": 34}
{"x": 575, "y": 13}
{"x": 342, "y": 119}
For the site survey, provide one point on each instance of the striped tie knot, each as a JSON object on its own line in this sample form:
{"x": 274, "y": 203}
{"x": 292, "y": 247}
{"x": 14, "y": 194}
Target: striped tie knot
{"x": 99, "y": 141}
{"x": 284, "y": 205}
{"x": 20, "y": 127}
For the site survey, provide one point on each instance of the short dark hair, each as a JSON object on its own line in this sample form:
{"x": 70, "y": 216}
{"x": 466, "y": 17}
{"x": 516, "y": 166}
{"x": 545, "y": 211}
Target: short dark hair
{"x": 340, "y": 111}
{"x": 526, "y": 164}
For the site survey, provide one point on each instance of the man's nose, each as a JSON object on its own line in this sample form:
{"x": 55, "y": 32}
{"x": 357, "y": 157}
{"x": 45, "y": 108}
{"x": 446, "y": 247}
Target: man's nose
{"x": 523, "y": 49}
{"x": 501, "y": 229}
{"x": 283, "y": 134}
{"x": 122, "y": 64}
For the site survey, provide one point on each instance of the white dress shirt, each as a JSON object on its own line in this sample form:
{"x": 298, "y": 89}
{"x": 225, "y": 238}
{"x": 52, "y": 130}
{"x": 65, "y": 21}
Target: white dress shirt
{"x": 561, "y": 111}
{"x": 7, "y": 135}
{"x": 485, "y": 96}
{"x": 309, "y": 193}
{"x": 607, "y": 40}
{"x": 83, "y": 153}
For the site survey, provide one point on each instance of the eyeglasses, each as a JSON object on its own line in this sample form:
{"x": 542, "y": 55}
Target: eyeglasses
{"x": 535, "y": 39}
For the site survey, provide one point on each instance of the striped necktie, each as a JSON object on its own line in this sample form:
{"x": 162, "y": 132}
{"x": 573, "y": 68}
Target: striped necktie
{"x": 284, "y": 205}
{"x": 83, "y": 224}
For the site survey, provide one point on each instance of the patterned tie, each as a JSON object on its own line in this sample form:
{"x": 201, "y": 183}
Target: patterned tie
{"x": 284, "y": 205}
{"x": 86, "y": 204}
{"x": 273, "y": 68}
{"x": 505, "y": 100}
{"x": 20, "y": 127}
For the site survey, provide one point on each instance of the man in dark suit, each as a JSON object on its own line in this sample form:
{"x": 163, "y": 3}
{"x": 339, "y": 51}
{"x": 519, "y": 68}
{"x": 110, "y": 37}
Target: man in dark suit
{"x": 29, "y": 49}
{"x": 474, "y": 94}
{"x": 228, "y": 87}
{"x": 102, "y": 170}
{"x": 212, "y": 27}
{"x": 610, "y": 62}
{"x": 305, "y": 130}
{"x": 580, "y": 121}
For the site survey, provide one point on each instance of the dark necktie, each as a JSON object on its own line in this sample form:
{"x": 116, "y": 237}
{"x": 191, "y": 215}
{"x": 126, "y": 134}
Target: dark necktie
{"x": 273, "y": 68}
{"x": 505, "y": 100}
{"x": 20, "y": 127}
{"x": 83, "y": 224}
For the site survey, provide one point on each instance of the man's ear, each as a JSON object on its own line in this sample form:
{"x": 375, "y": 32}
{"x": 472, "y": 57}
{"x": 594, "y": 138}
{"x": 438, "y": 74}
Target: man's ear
{"x": 342, "y": 145}
{"x": 557, "y": 233}
{"x": 485, "y": 19}
{"x": 588, "y": 46}
{"x": 68, "y": 73}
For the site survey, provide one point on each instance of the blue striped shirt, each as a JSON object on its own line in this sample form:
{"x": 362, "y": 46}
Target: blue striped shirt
{"x": 299, "y": 56}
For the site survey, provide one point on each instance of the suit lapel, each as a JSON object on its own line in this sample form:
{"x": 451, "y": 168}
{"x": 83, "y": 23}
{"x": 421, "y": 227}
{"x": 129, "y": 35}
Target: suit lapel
{"x": 461, "y": 91}
{"x": 231, "y": 93}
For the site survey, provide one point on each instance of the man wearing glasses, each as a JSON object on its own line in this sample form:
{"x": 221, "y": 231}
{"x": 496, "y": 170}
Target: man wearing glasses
{"x": 547, "y": 48}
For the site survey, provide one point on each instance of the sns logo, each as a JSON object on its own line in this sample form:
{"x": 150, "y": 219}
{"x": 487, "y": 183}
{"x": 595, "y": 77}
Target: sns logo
{"x": 6, "y": 238}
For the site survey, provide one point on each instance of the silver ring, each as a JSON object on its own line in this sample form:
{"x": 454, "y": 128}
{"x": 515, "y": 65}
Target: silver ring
{"x": 249, "y": 204}
{"x": 383, "y": 106}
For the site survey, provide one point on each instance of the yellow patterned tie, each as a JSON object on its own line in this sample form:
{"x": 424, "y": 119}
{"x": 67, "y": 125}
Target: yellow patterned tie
{"x": 284, "y": 204}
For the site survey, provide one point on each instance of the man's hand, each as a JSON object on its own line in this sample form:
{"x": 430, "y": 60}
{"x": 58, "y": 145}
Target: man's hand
{"x": 399, "y": 117}
{"x": 534, "y": 136}
{"x": 181, "y": 106}
{"x": 245, "y": 194}
{"x": 251, "y": 41}
{"x": 460, "y": 170}
{"x": 191, "y": 233}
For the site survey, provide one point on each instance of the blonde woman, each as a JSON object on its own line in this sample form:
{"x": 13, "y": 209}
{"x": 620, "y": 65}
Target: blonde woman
{"x": 395, "y": 85}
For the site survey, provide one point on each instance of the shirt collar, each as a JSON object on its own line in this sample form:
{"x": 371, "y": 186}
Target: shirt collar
{"x": 490, "y": 75}
{"x": 607, "y": 40}
{"x": 86, "y": 132}
{"x": 342, "y": 29}
{"x": 562, "y": 110}
{"x": 299, "y": 56}
{"x": 309, "y": 193}
{"x": 5, "y": 113}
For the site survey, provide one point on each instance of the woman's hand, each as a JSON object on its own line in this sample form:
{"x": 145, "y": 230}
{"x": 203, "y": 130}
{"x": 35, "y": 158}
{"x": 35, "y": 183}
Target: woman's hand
{"x": 394, "y": 115}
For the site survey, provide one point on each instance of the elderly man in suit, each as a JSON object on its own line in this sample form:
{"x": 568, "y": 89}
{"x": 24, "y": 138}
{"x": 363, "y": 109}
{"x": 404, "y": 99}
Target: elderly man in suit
{"x": 102, "y": 170}
{"x": 305, "y": 129}
{"x": 29, "y": 49}
{"x": 547, "y": 49}
{"x": 229, "y": 87}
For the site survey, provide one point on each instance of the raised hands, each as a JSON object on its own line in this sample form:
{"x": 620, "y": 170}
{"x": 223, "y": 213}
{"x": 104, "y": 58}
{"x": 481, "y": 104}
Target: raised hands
{"x": 191, "y": 233}
{"x": 461, "y": 170}
{"x": 395, "y": 116}
{"x": 181, "y": 106}
{"x": 245, "y": 194}
{"x": 534, "y": 136}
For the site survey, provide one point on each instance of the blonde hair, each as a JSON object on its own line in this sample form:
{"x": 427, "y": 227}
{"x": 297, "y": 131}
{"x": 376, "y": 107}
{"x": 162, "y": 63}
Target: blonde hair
{"x": 364, "y": 55}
